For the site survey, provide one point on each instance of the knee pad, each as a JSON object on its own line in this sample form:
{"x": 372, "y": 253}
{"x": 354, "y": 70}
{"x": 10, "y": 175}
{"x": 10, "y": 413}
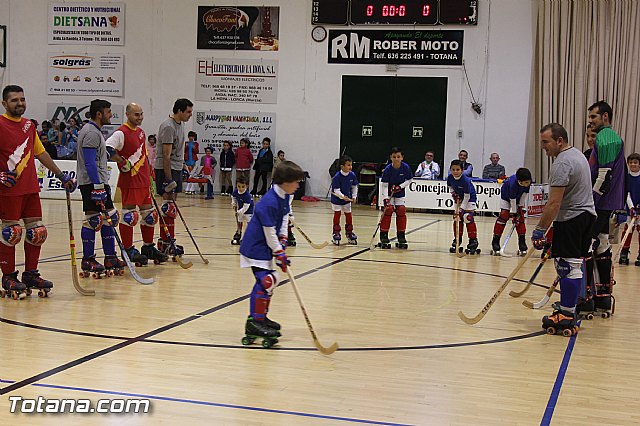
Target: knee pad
{"x": 130, "y": 217}
{"x": 468, "y": 217}
{"x": 503, "y": 217}
{"x": 11, "y": 233}
{"x": 149, "y": 217}
{"x": 388, "y": 210}
{"x": 168, "y": 209}
{"x": 401, "y": 211}
{"x": 93, "y": 222}
{"x": 268, "y": 281}
{"x": 568, "y": 268}
{"x": 36, "y": 233}
{"x": 601, "y": 244}
{"x": 114, "y": 215}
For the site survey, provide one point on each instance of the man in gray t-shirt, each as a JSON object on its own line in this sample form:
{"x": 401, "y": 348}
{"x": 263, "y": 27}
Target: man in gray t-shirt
{"x": 168, "y": 168}
{"x": 572, "y": 211}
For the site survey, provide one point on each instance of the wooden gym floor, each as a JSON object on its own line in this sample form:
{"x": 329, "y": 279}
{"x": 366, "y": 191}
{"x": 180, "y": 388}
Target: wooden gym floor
{"x": 405, "y": 357}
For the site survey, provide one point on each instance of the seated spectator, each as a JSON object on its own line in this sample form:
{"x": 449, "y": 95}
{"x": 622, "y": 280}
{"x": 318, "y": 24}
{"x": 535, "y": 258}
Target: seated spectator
{"x": 467, "y": 168}
{"x": 493, "y": 170}
{"x": 428, "y": 169}
{"x": 48, "y": 146}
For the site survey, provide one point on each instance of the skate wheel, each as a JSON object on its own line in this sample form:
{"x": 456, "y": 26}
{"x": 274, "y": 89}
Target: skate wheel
{"x": 460, "y": 249}
{"x": 589, "y": 316}
{"x": 606, "y": 314}
{"x": 14, "y": 295}
{"x": 156, "y": 262}
{"x": 3, "y": 293}
{"x": 575, "y": 329}
{"x": 109, "y": 273}
{"x": 43, "y": 293}
{"x": 121, "y": 272}
{"x": 28, "y": 291}
{"x": 551, "y": 330}
{"x": 267, "y": 343}
{"x": 478, "y": 251}
{"x": 246, "y": 340}
{"x": 567, "y": 332}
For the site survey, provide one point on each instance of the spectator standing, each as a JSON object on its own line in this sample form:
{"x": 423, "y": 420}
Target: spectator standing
{"x": 227, "y": 161}
{"x": 262, "y": 167}
{"x": 244, "y": 159}
{"x": 151, "y": 148}
{"x": 191, "y": 149}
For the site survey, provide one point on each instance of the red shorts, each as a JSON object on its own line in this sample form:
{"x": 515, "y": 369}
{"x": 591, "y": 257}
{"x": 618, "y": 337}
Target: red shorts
{"x": 135, "y": 196}
{"x": 20, "y": 207}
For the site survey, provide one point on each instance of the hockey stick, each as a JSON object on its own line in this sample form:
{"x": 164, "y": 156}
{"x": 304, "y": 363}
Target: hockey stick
{"x": 325, "y": 351}
{"x": 626, "y": 235}
{"x": 206, "y": 261}
{"x": 514, "y": 293}
{"x": 459, "y": 253}
{"x": 493, "y": 299}
{"x": 172, "y": 243}
{"x": 373, "y": 237}
{"x": 506, "y": 241}
{"x": 72, "y": 250}
{"x": 123, "y": 252}
{"x": 545, "y": 298}
{"x": 306, "y": 237}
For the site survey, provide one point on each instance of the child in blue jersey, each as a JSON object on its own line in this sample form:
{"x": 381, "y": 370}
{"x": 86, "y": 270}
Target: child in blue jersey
{"x": 512, "y": 206}
{"x": 344, "y": 191}
{"x": 464, "y": 195}
{"x": 264, "y": 241}
{"x": 395, "y": 178}
{"x": 633, "y": 206}
{"x": 242, "y": 203}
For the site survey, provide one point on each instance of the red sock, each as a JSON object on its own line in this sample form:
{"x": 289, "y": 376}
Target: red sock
{"x": 147, "y": 233}
{"x": 472, "y": 230}
{"x": 126, "y": 234}
{"x": 348, "y": 218}
{"x": 336, "y": 218}
{"x": 31, "y": 256}
{"x": 7, "y": 258}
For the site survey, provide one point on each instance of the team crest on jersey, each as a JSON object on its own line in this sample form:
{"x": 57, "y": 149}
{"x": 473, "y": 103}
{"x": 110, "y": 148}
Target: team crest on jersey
{"x": 27, "y": 126}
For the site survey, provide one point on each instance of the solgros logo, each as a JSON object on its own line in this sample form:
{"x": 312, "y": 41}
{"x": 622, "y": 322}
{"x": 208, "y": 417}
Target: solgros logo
{"x": 71, "y": 62}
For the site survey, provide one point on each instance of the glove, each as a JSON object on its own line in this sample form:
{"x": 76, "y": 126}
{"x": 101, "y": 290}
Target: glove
{"x": 456, "y": 197}
{"x": 621, "y": 218}
{"x": 395, "y": 189}
{"x": 8, "y": 178}
{"x": 282, "y": 260}
{"x": 69, "y": 183}
{"x": 169, "y": 186}
{"x": 385, "y": 202}
{"x": 98, "y": 193}
{"x": 283, "y": 241}
{"x": 633, "y": 211}
{"x": 125, "y": 166}
{"x": 538, "y": 238}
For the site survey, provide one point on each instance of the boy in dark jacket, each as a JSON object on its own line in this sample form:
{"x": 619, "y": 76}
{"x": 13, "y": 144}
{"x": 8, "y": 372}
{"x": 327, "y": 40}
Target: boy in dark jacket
{"x": 227, "y": 161}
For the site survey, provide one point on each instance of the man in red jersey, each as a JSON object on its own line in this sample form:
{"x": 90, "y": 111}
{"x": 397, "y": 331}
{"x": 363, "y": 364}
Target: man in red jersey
{"x": 127, "y": 148}
{"x": 19, "y": 199}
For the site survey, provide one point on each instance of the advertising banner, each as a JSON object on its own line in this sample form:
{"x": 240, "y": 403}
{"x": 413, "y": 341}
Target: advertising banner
{"x": 538, "y": 197}
{"x": 237, "y": 80}
{"x": 85, "y": 74}
{"x": 402, "y": 47}
{"x": 63, "y": 111}
{"x": 215, "y": 127}
{"x": 86, "y": 23}
{"x": 238, "y": 27}
{"x": 50, "y": 186}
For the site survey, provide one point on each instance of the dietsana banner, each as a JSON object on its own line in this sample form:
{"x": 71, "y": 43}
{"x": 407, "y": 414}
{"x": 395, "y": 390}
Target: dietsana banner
{"x": 238, "y": 27}
{"x": 402, "y": 47}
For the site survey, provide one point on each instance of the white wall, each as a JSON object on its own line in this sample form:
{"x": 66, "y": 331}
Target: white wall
{"x": 160, "y": 57}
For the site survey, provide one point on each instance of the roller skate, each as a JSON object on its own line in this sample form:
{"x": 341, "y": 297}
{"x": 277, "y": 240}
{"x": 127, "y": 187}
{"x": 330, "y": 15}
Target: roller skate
{"x": 604, "y": 303}
{"x": 335, "y": 239}
{"x": 235, "y": 241}
{"x": 560, "y": 322}
{"x": 255, "y": 329}
{"x": 291, "y": 239}
{"x": 152, "y": 253}
{"x": 455, "y": 245}
{"x": 114, "y": 266}
{"x": 624, "y": 257}
{"x": 33, "y": 281}
{"x": 522, "y": 245}
{"x": 584, "y": 309}
{"x": 91, "y": 268}
{"x": 135, "y": 257}
{"x": 352, "y": 238}
{"x": 495, "y": 245}
{"x": 472, "y": 247}
{"x": 12, "y": 287}
{"x": 272, "y": 324}
{"x": 402, "y": 241}
{"x": 638, "y": 260}
{"x": 173, "y": 250}
{"x": 384, "y": 240}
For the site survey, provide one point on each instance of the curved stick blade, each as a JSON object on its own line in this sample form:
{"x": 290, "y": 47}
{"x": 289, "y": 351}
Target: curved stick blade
{"x": 468, "y": 320}
{"x": 327, "y": 351}
{"x": 514, "y": 293}
{"x": 183, "y": 264}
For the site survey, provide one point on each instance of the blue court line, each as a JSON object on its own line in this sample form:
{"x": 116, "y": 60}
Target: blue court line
{"x": 553, "y": 398}
{"x": 214, "y": 404}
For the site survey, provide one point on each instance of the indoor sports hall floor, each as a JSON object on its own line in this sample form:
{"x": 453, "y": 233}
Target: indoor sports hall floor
{"x": 405, "y": 357}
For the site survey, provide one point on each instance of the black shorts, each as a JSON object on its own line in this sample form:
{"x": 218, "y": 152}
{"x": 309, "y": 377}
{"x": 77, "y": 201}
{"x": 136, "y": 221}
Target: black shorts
{"x": 176, "y": 175}
{"x": 88, "y": 205}
{"x": 572, "y": 238}
{"x": 602, "y": 223}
